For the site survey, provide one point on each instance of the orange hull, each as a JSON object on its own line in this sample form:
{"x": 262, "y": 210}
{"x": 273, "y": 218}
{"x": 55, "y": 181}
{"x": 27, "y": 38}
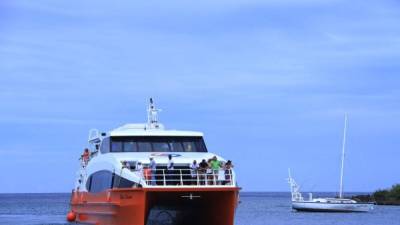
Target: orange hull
{"x": 141, "y": 206}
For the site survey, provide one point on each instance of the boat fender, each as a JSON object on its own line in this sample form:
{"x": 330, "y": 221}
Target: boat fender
{"x": 71, "y": 216}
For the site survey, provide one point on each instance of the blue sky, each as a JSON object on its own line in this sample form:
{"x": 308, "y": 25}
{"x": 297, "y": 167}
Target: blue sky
{"x": 267, "y": 81}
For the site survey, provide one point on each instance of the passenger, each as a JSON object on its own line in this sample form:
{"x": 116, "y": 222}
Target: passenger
{"x": 170, "y": 170}
{"x": 170, "y": 165}
{"x": 139, "y": 169}
{"x": 147, "y": 174}
{"x": 126, "y": 164}
{"x": 193, "y": 172}
{"x": 153, "y": 168}
{"x": 209, "y": 172}
{"x": 228, "y": 172}
{"x": 228, "y": 165}
{"x": 215, "y": 167}
{"x": 188, "y": 148}
{"x": 85, "y": 156}
{"x": 203, "y": 166}
{"x": 139, "y": 166}
{"x": 221, "y": 174}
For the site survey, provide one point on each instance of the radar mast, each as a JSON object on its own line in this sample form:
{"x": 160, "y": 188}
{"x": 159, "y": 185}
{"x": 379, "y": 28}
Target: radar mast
{"x": 152, "y": 116}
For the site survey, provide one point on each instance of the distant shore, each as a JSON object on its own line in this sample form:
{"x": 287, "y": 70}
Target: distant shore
{"x": 390, "y": 196}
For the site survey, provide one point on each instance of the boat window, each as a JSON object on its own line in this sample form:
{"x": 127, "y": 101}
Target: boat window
{"x": 89, "y": 180}
{"x": 105, "y": 145}
{"x": 120, "y": 182}
{"x": 189, "y": 146}
{"x": 144, "y": 146}
{"x": 100, "y": 181}
{"x": 116, "y": 146}
{"x": 160, "y": 147}
{"x": 158, "y": 144}
{"x": 176, "y": 147}
{"x": 130, "y": 146}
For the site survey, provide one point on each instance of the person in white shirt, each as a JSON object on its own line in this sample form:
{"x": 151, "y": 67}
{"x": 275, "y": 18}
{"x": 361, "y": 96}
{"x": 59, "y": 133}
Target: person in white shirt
{"x": 153, "y": 168}
{"x": 170, "y": 165}
{"x": 170, "y": 169}
{"x": 139, "y": 169}
{"x": 193, "y": 171}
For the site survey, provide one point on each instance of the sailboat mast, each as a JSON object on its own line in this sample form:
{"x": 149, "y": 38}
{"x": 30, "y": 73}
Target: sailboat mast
{"x": 343, "y": 155}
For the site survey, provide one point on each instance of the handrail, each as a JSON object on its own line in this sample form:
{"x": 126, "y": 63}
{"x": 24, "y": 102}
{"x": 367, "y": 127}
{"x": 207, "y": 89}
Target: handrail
{"x": 187, "y": 177}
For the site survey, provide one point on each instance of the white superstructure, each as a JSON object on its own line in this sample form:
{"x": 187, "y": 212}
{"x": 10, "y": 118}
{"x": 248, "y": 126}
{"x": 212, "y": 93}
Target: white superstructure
{"x": 121, "y": 158}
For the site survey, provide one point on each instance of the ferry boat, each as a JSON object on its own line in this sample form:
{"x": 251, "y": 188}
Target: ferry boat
{"x": 339, "y": 204}
{"x": 140, "y": 174}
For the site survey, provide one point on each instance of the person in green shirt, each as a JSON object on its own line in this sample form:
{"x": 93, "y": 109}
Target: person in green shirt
{"x": 215, "y": 164}
{"x": 215, "y": 167}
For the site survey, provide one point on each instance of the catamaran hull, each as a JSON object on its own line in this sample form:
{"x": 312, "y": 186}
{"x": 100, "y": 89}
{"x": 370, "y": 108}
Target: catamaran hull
{"x": 150, "y": 206}
{"x": 332, "y": 207}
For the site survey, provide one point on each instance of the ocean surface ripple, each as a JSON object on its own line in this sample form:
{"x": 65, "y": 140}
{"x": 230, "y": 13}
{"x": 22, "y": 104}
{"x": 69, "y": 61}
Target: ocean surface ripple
{"x": 265, "y": 208}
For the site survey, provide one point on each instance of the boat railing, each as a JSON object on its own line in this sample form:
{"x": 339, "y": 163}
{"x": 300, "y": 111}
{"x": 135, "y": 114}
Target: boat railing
{"x": 187, "y": 177}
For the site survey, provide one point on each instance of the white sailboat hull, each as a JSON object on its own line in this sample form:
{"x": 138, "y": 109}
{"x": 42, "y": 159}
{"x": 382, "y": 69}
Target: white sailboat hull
{"x": 332, "y": 207}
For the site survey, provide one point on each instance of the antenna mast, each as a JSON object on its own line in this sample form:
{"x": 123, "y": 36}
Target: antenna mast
{"x": 152, "y": 115}
{"x": 343, "y": 156}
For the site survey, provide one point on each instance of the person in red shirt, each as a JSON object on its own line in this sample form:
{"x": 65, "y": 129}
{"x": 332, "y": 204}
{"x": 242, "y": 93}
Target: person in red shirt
{"x": 86, "y": 156}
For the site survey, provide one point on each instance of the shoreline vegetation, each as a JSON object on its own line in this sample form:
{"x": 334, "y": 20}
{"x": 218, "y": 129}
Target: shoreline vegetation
{"x": 390, "y": 196}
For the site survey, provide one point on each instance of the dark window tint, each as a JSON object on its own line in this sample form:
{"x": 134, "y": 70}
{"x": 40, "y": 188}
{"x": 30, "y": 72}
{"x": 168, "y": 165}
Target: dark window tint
{"x": 189, "y": 146}
{"x": 158, "y": 144}
{"x": 100, "y": 181}
{"x": 130, "y": 146}
{"x": 160, "y": 147}
{"x": 144, "y": 146}
{"x": 105, "y": 145}
{"x": 176, "y": 147}
{"x": 120, "y": 182}
{"x": 116, "y": 146}
{"x": 88, "y": 183}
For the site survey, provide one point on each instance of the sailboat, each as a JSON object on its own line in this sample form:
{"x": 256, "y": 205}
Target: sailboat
{"x": 339, "y": 204}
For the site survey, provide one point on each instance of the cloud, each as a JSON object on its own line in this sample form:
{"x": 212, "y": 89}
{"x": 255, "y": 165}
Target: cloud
{"x": 267, "y": 73}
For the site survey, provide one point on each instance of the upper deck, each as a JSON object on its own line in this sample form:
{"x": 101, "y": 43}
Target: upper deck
{"x": 145, "y": 130}
{"x": 121, "y": 158}
{"x": 147, "y": 137}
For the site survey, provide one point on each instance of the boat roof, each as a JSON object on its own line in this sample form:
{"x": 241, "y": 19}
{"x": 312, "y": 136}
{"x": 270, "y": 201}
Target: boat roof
{"x": 145, "y": 130}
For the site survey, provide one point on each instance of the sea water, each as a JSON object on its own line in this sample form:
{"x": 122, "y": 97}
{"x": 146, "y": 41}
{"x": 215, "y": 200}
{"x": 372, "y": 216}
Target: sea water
{"x": 254, "y": 209}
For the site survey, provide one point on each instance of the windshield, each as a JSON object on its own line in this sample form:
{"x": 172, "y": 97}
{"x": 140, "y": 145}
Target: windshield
{"x": 158, "y": 144}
